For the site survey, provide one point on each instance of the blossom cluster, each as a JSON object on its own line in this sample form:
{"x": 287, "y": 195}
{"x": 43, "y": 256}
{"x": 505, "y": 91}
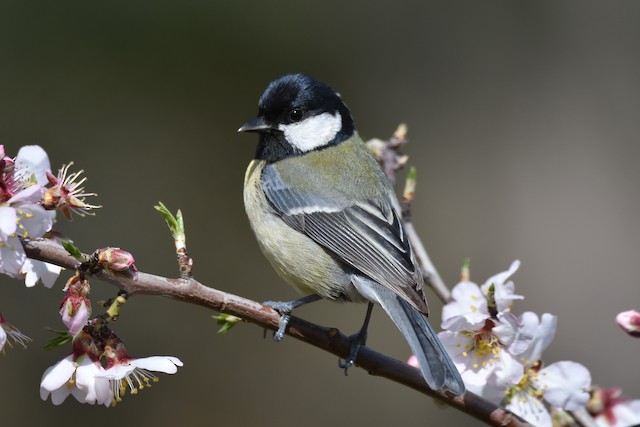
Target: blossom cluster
{"x": 23, "y": 181}
{"x": 499, "y": 354}
{"x": 100, "y": 371}
{"x": 30, "y": 195}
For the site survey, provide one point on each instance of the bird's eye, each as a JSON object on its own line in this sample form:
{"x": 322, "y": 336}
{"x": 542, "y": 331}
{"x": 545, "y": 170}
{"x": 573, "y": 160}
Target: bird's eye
{"x": 296, "y": 115}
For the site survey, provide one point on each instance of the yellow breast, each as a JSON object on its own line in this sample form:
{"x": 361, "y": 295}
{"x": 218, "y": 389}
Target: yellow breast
{"x": 296, "y": 258}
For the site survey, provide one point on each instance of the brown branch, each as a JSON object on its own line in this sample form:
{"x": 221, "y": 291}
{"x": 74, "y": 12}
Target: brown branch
{"x": 327, "y": 339}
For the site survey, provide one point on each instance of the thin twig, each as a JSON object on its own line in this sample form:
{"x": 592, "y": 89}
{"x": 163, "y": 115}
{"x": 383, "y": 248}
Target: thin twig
{"x": 431, "y": 275}
{"x": 392, "y": 160}
{"x": 327, "y": 339}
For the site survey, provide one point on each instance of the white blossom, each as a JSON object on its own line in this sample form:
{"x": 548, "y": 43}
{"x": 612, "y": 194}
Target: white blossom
{"x": 563, "y": 385}
{"x": 136, "y": 374}
{"x": 21, "y": 213}
{"x": 79, "y": 377}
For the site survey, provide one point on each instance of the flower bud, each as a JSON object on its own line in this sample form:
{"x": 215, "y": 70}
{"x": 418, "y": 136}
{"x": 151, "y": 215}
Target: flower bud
{"x": 629, "y": 321}
{"x": 75, "y": 307}
{"x": 117, "y": 260}
{"x": 413, "y": 361}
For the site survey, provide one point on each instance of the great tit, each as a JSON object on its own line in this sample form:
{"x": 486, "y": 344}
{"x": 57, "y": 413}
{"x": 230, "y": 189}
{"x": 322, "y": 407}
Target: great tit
{"x": 327, "y": 219}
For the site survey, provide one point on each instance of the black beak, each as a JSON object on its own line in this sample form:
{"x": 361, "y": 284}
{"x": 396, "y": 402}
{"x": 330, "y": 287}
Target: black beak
{"x": 255, "y": 125}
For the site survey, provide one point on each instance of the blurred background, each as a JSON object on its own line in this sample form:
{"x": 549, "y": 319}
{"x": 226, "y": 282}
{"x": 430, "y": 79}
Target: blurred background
{"x": 524, "y": 121}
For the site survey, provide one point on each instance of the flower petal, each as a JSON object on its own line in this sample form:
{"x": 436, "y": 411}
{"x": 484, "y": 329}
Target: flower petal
{"x": 501, "y": 278}
{"x": 117, "y": 372}
{"x": 166, "y": 364}
{"x": 8, "y": 222}
{"x": 34, "y": 221}
{"x": 104, "y": 395}
{"x": 507, "y": 370}
{"x": 545, "y": 332}
{"x": 12, "y": 257}
{"x": 81, "y": 395}
{"x": 30, "y": 195}
{"x": 564, "y": 385}
{"x": 3, "y": 337}
{"x": 76, "y": 322}
{"x": 34, "y": 159}
{"x": 507, "y": 328}
{"x": 531, "y": 409}
{"x": 85, "y": 379}
{"x": 503, "y": 290}
{"x": 60, "y": 394}
{"x": 466, "y": 322}
{"x": 57, "y": 375}
{"x": 38, "y": 271}
{"x": 466, "y": 298}
{"x": 514, "y": 333}
{"x": 457, "y": 345}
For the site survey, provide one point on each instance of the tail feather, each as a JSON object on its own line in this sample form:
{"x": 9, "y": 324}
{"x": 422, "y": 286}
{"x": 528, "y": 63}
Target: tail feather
{"x": 436, "y": 366}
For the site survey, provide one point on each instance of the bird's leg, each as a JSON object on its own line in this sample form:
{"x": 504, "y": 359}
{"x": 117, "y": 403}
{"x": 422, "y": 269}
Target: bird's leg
{"x": 285, "y": 308}
{"x": 357, "y": 340}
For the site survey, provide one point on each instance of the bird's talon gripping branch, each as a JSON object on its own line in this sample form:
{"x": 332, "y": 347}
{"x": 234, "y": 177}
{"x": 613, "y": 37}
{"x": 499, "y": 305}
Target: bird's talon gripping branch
{"x": 357, "y": 341}
{"x": 284, "y": 308}
{"x": 282, "y": 327}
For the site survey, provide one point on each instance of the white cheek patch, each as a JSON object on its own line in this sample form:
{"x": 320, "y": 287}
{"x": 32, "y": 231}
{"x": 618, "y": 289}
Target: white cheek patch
{"x": 313, "y": 132}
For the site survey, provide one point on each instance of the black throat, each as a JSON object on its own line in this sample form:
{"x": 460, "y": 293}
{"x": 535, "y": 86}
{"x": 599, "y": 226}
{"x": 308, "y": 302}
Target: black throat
{"x": 272, "y": 146}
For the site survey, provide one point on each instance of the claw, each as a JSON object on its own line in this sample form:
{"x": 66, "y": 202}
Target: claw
{"x": 356, "y": 341}
{"x": 282, "y": 327}
{"x": 282, "y": 307}
{"x": 285, "y": 308}
{"x": 345, "y": 364}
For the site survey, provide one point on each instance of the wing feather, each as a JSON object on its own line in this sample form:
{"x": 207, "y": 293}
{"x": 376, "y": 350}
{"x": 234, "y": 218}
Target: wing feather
{"x": 366, "y": 235}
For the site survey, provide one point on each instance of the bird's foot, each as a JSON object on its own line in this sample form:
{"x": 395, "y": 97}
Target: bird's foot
{"x": 356, "y": 341}
{"x": 285, "y": 308}
{"x": 282, "y": 307}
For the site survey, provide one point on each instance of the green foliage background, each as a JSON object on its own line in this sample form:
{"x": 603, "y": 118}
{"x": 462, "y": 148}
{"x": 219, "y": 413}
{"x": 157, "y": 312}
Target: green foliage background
{"x": 524, "y": 122}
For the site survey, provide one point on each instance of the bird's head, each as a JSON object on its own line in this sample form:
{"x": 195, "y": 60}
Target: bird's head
{"x": 298, "y": 114}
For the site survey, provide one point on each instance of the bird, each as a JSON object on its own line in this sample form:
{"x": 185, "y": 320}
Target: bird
{"x": 328, "y": 220}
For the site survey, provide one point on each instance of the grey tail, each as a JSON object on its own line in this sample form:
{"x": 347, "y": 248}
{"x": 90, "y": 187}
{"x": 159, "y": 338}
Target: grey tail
{"x": 436, "y": 366}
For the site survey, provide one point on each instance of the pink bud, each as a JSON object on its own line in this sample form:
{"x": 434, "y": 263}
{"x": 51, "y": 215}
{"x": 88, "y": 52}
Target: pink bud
{"x": 413, "y": 361}
{"x": 115, "y": 259}
{"x": 629, "y": 321}
{"x": 75, "y": 307}
{"x": 75, "y": 318}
